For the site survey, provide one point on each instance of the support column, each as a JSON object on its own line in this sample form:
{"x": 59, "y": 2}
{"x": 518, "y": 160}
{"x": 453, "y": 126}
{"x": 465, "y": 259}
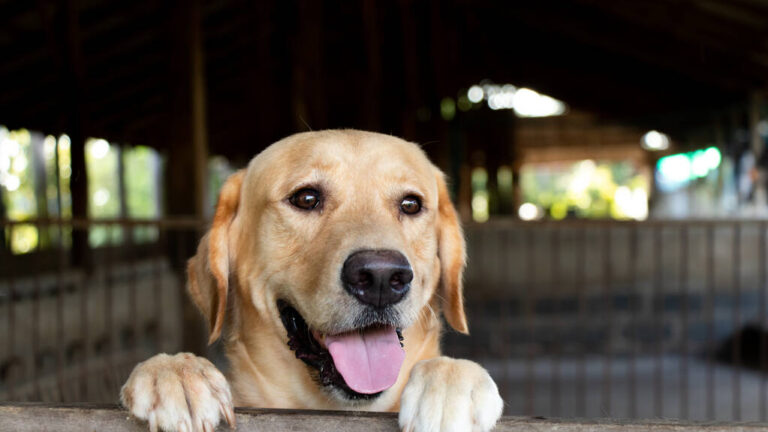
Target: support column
{"x": 75, "y": 97}
{"x": 411, "y": 69}
{"x": 187, "y": 155}
{"x": 308, "y": 89}
{"x": 372, "y": 101}
{"x": 755, "y": 141}
{"x": 757, "y": 145}
{"x": 188, "y": 138}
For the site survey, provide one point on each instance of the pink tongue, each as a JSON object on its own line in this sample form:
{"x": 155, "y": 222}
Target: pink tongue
{"x": 368, "y": 361}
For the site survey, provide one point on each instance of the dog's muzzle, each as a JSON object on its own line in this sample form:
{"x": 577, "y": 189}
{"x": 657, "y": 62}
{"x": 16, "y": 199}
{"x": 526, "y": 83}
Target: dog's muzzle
{"x": 301, "y": 340}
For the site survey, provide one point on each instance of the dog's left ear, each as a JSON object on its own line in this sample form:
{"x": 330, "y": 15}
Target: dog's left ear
{"x": 208, "y": 270}
{"x": 451, "y": 251}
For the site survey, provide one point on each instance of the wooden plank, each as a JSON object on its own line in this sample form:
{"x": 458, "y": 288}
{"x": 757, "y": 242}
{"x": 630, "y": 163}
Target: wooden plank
{"x": 372, "y": 35}
{"x": 413, "y": 96}
{"x": 76, "y": 119}
{"x": 185, "y": 188}
{"x": 307, "y": 92}
{"x": 188, "y": 137}
{"x": 65, "y": 418}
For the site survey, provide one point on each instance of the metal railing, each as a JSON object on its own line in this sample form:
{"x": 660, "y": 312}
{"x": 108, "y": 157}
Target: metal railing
{"x": 657, "y": 319}
{"x": 76, "y": 318}
{"x": 573, "y": 319}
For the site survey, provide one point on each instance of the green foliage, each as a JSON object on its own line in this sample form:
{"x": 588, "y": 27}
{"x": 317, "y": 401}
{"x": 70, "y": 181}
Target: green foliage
{"x": 142, "y": 189}
{"x": 613, "y": 189}
{"x": 17, "y": 179}
{"x": 101, "y": 161}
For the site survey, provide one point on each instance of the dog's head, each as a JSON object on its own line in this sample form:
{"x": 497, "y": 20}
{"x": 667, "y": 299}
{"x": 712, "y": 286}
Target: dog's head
{"x": 341, "y": 237}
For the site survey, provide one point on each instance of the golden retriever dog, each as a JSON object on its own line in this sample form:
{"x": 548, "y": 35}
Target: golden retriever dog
{"x": 328, "y": 262}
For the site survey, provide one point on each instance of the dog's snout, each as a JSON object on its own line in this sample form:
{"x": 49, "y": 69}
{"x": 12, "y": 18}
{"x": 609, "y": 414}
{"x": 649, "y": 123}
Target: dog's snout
{"x": 377, "y": 277}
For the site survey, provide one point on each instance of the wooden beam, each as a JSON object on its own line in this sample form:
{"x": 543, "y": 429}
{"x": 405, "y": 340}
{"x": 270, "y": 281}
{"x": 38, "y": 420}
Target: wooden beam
{"x": 630, "y": 39}
{"x": 109, "y": 18}
{"x": 307, "y": 91}
{"x": 117, "y": 123}
{"x": 75, "y": 418}
{"x": 372, "y": 100}
{"x": 76, "y": 124}
{"x": 127, "y": 57}
{"x": 410, "y": 68}
{"x": 21, "y": 63}
{"x": 756, "y": 141}
{"x": 691, "y": 42}
{"x": 187, "y": 152}
{"x": 573, "y": 154}
{"x": 189, "y": 136}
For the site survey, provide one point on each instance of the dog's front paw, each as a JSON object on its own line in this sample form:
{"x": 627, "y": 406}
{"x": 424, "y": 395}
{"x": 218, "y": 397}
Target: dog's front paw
{"x": 445, "y": 394}
{"x": 178, "y": 393}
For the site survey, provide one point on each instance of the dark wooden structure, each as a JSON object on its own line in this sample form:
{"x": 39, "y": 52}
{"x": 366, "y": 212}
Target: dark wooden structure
{"x": 35, "y": 417}
{"x": 131, "y": 71}
{"x": 231, "y": 76}
{"x": 202, "y": 77}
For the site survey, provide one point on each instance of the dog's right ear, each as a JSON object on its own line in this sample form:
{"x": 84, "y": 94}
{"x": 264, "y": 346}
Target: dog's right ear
{"x": 452, "y": 254}
{"x": 208, "y": 270}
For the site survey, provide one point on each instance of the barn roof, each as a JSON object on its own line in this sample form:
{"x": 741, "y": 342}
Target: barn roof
{"x": 272, "y": 66}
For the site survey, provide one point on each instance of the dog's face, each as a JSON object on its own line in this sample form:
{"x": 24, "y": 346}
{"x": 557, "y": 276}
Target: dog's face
{"x": 342, "y": 238}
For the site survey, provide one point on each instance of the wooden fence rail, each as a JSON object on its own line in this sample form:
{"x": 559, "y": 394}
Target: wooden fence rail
{"x": 85, "y": 418}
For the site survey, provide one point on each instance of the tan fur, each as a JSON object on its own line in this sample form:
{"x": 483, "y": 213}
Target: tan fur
{"x": 275, "y": 251}
{"x": 208, "y": 271}
{"x": 260, "y": 249}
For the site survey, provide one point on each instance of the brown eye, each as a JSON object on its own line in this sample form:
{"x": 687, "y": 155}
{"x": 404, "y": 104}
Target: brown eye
{"x": 305, "y": 199}
{"x": 410, "y": 205}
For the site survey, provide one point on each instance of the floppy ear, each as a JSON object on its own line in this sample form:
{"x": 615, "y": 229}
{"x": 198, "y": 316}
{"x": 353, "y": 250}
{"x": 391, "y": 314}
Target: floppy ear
{"x": 208, "y": 270}
{"x": 451, "y": 251}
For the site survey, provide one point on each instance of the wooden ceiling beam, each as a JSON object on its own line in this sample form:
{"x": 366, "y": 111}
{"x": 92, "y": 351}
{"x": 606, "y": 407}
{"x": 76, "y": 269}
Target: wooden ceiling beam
{"x": 116, "y": 117}
{"x": 12, "y": 97}
{"x": 129, "y": 46}
{"x": 106, "y": 78}
{"x": 738, "y": 12}
{"x": 129, "y": 95}
{"x": 651, "y": 49}
{"x": 147, "y": 129}
{"x": 13, "y": 11}
{"x": 228, "y": 25}
{"x": 41, "y": 116}
{"x": 690, "y": 24}
{"x": 756, "y": 6}
{"x": 106, "y": 20}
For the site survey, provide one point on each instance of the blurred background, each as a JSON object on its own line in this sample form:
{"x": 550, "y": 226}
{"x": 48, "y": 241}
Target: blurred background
{"x": 607, "y": 157}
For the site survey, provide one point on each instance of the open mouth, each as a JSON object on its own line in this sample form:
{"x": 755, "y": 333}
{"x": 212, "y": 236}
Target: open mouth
{"x": 361, "y": 363}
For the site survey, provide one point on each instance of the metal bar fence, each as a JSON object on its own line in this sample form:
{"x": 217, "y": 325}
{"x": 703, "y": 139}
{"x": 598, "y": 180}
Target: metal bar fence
{"x": 573, "y": 319}
{"x": 74, "y": 330}
{"x": 622, "y": 319}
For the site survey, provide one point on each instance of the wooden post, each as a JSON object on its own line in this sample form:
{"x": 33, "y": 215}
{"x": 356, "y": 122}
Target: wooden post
{"x": 411, "y": 68}
{"x": 5, "y": 246}
{"x": 758, "y": 148}
{"x": 517, "y": 190}
{"x": 188, "y": 138}
{"x": 41, "y": 182}
{"x": 74, "y": 96}
{"x": 372, "y": 100}
{"x": 186, "y": 173}
{"x": 755, "y": 141}
{"x": 308, "y": 91}
{"x": 511, "y": 200}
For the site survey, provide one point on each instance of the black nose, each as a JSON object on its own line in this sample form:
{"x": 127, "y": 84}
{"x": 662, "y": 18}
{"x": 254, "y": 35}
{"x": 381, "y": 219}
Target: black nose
{"x": 377, "y": 277}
